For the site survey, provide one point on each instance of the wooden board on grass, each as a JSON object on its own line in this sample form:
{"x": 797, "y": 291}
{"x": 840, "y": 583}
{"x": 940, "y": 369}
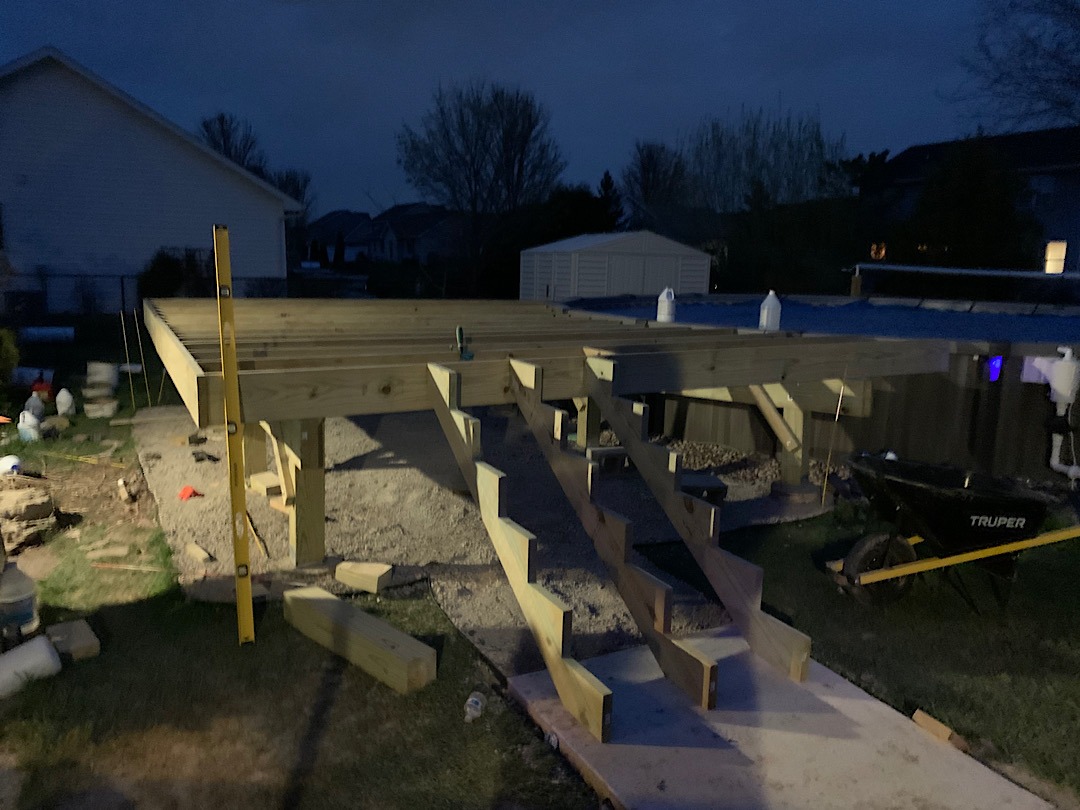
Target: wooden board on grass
{"x": 364, "y": 576}
{"x": 381, "y": 650}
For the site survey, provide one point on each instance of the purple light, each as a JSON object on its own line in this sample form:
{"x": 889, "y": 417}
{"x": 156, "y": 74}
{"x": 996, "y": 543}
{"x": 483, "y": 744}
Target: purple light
{"x": 995, "y": 367}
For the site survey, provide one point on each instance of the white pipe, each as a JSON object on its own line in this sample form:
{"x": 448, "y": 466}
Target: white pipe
{"x": 34, "y": 659}
{"x": 1055, "y": 459}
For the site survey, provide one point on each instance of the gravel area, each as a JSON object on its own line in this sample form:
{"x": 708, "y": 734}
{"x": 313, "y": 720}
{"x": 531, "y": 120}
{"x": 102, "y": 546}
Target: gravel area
{"x": 394, "y": 494}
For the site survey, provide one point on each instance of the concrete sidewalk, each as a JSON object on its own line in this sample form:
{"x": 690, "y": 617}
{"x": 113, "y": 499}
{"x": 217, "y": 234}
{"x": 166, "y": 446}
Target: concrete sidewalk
{"x": 770, "y": 743}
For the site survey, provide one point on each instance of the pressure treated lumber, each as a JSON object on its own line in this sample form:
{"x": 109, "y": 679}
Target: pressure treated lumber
{"x": 647, "y": 598}
{"x": 548, "y": 617}
{"x": 380, "y": 649}
{"x": 364, "y": 576}
{"x": 737, "y": 582}
{"x": 299, "y": 453}
{"x": 305, "y": 358}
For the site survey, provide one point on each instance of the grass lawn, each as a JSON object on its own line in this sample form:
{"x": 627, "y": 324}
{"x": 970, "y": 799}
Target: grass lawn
{"x": 173, "y": 711}
{"x": 1006, "y": 679}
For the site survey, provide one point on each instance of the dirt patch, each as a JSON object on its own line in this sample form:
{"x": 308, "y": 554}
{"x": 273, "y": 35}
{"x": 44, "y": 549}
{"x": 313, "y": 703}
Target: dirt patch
{"x": 394, "y": 494}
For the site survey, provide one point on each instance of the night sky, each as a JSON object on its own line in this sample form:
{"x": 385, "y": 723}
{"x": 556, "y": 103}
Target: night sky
{"x": 328, "y": 84}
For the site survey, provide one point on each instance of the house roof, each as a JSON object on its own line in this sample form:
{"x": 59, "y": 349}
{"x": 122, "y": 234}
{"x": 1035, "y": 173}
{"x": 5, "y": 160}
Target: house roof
{"x": 51, "y": 54}
{"x": 647, "y": 240}
{"x": 328, "y": 226}
{"x": 1042, "y": 150}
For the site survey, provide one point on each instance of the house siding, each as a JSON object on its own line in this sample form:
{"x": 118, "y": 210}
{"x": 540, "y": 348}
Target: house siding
{"x": 92, "y": 188}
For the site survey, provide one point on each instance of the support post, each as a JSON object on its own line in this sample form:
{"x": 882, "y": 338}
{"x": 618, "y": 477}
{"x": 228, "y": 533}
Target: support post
{"x": 588, "y": 422}
{"x": 795, "y": 464}
{"x": 299, "y": 450}
{"x": 254, "y": 450}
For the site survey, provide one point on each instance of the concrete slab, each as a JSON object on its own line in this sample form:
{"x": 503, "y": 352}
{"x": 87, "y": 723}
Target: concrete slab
{"x": 770, "y": 743}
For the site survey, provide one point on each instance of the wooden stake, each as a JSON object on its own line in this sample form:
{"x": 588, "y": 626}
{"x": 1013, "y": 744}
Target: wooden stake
{"x": 142, "y": 359}
{"x": 127, "y": 360}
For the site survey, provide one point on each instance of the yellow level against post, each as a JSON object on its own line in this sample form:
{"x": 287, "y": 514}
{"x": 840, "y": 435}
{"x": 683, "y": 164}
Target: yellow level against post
{"x": 245, "y": 618}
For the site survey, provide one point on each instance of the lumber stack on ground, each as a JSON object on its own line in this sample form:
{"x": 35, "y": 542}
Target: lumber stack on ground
{"x": 381, "y": 650}
{"x": 364, "y": 576}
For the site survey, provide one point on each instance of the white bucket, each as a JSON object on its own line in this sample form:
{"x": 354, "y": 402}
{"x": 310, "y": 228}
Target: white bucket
{"x": 107, "y": 374}
{"x": 100, "y": 408}
{"x": 36, "y": 658}
{"x": 665, "y": 306}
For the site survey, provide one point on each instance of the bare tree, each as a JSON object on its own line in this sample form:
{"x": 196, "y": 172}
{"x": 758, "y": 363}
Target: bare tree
{"x": 655, "y": 183}
{"x": 482, "y": 149}
{"x": 297, "y": 184}
{"x": 1027, "y": 59}
{"x": 771, "y": 160}
{"x": 235, "y": 139}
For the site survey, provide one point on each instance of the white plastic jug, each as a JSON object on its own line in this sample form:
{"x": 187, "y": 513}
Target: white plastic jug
{"x": 665, "y": 306}
{"x": 29, "y": 427}
{"x": 769, "y": 318}
{"x": 65, "y": 403}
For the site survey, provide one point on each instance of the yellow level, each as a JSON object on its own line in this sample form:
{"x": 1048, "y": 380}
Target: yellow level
{"x": 234, "y": 430}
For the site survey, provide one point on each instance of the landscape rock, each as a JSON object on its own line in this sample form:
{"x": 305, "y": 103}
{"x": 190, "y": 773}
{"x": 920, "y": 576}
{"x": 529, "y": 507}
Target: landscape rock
{"x": 25, "y": 504}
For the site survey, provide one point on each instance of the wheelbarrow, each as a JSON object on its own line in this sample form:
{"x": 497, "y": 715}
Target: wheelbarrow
{"x": 946, "y": 516}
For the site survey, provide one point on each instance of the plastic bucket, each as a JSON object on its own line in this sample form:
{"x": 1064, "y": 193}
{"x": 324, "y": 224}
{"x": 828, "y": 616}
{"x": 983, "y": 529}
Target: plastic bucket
{"x": 107, "y": 374}
{"x": 18, "y": 600}
{"x": 100, "y": 408}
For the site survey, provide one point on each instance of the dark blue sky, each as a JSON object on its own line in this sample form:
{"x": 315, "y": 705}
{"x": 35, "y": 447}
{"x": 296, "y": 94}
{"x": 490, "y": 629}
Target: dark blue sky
{"x": 327, "y": 84}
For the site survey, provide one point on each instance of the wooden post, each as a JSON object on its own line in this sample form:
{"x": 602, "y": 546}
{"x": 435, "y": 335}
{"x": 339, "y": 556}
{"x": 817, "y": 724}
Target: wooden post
{"x": 795, "y": 464}
{"x": 588, "y": 422}
{"x": 254, "y": 449}
{"x": 300, "y": 453}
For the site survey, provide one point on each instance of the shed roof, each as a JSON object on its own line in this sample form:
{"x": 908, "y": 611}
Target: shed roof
{"x": 628, "y": 241}
{"x": 51, "y": 54}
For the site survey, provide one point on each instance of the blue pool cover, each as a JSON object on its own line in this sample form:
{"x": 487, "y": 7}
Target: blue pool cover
{"x": 845, "y": 316}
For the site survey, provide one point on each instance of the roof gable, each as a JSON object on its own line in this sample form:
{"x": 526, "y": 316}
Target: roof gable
{"x": 627, "y": 241}
{"x": 48, "y": 53}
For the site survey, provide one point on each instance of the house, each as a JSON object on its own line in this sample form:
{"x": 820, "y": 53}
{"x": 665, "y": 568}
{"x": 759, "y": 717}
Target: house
{"x": 93, "y": 183}
{"x": 605, "y": 264}
{"x": 413, "y": 232}
{"x": 1047, "y": 159}
{"x": 324, "y": 232}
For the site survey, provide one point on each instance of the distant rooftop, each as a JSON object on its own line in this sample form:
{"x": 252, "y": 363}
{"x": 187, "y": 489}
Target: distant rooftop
{"x": 1041, "y": 150}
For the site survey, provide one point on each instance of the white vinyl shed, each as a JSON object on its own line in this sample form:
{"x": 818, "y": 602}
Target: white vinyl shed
{"x": 603, "y": 264}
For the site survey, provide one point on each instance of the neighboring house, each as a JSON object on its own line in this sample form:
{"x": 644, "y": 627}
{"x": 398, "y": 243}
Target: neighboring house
{"x": 93, "y": 183}
{"x": 324, "y": 232}
{"x": 605, "y": 264}
{"x": 1047, "y": 159}
{"x": 414, "y": 232}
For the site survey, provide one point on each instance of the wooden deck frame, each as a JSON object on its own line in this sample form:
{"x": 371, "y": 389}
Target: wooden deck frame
{"x": 647, "y": 598}
{"x": 302, "y": 361}
{"x": 737, "y": 582}
{"x": 548, "y": 617}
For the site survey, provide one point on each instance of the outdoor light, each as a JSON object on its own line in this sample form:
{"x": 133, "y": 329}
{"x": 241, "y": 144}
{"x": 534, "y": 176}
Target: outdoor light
{"x": 1055, "y": 256}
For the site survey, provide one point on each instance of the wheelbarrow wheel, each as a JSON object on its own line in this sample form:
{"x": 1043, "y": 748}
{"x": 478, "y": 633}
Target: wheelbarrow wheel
{"x": 872, "y": 553}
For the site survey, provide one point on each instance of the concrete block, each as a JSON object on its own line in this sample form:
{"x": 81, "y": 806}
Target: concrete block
{"x": 74, "y": 639}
